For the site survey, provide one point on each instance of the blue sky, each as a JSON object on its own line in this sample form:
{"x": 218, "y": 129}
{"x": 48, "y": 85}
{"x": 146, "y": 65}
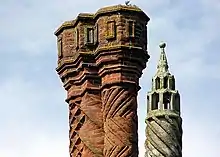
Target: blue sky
{"x": 33, "y": 114}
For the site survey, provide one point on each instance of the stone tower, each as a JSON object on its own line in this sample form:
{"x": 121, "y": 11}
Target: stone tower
{"x": 100, "y": 60}
{"x": 164, "y": 124}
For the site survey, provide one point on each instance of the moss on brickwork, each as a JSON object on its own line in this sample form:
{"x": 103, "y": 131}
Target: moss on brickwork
{"x": 101, "y": 12}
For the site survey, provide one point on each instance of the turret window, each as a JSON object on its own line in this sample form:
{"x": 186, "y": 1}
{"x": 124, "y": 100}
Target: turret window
{"x": 131, "y": 28}
{"x": 89, "y": 35}
{"x": 177, "y": 103}
{"x": 157, "y": 83}
{"x": 111, "y": 30}
{"x": 172, "y": 83}
{"x": 166, "y": 101}
{"x": 165, "y": 82}
{"x": 155, "y": 101}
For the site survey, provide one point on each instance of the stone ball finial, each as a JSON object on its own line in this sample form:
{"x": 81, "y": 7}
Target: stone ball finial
{"x": 162, "y": 45}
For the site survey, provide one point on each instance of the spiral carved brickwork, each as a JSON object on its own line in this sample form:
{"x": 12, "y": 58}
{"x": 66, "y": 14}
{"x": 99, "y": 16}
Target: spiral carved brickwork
{"x": 96, "y": 52}
{"x": 163, "y": 137}
{"x": 86, "y": 131}
{"x": 120, "y": 122}
{"x": 92, "y": 132}
{"x": 76, "y": 120}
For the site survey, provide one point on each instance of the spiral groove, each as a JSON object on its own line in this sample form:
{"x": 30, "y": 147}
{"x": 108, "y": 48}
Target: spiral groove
{"x": 86, "y": 127}
{"x": 76, "y": 120}
{"x": 120, "y": 122}
{"x": 163, "y": 137}
{"x": 92, "y": 132}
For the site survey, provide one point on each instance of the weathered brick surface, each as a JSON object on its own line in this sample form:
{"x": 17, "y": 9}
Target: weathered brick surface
{"x": 120, "y": 122}
{"x": 100, "y": 70}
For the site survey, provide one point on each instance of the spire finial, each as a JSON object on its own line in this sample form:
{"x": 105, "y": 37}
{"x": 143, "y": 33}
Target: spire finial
{"x": 162, "y": 66}
{"x": 162, "y": 45}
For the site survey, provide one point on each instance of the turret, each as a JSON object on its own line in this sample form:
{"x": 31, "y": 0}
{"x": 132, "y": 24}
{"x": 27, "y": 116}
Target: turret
{"x": 163, "y": 95}
{"x": 164, "y": 124}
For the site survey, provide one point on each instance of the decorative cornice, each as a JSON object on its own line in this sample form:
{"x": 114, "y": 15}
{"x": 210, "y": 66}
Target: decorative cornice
{"x": 73, "y": 23}
{"x": 162, "y": 113}
{"x": 118, "y": 48}
{"x": 78, "y": 57}
{"x": 79, "y": 79}
{"x": 65, "y": 25}
{"x": 100, "y": 12}
{"x": 72, "y": 61}
{"x": 163, "y": 91}
{"x": 115, "y": 8}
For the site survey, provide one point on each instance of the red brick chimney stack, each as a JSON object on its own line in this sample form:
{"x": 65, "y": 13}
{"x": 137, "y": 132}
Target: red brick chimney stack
{"x": 100, "y": 60}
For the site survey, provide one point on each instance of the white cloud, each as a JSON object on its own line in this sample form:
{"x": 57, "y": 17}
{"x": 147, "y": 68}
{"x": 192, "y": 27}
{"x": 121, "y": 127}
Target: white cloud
{"x": 37, "y": 145}
{"x": 33, "y": 112}
{"x": 27, "y": 129}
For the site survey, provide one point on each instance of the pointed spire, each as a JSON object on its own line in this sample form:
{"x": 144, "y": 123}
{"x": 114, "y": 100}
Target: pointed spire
{"x": 162, "y": 66}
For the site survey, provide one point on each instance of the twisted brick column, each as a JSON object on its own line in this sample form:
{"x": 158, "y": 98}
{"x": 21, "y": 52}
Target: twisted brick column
{"x": 86, "y": 126}
{"x": 164, "y": 137}
{"x": 120, "y": 122}
{"x": 76, "y": 120}
{"x": 92, "y": 133}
